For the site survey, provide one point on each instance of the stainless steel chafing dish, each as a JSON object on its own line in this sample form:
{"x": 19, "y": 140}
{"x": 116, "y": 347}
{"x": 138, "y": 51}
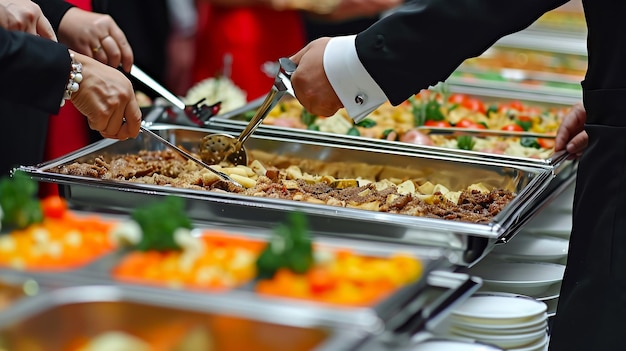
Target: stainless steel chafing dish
{"x": 468, "y": 241}
{"x": 74, "y": 307}
{"x": 234, "y": 121}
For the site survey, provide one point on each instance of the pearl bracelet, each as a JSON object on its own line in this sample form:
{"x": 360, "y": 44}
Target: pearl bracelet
{"x": 73, "y": 83}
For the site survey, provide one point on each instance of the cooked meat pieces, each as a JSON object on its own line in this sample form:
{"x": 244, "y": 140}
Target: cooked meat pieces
{"x": 166, "y": 168}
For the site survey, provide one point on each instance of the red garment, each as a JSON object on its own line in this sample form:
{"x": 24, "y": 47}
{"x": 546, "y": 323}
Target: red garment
{"x": 68, "y": 130}
{"x": 253, "y": 36}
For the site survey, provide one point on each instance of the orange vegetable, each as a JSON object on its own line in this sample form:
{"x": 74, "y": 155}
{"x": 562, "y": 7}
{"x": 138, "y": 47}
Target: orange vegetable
{"x": 546, "y": 143}
{"x": 57, "y": 243}
{"x": 226, "y": 262}
{"x": 53, "y": 206}
{"x": 348, "y": 279}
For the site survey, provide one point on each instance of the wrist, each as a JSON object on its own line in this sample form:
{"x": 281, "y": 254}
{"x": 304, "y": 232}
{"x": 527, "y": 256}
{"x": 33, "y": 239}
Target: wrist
{"x": 74, "y": 79}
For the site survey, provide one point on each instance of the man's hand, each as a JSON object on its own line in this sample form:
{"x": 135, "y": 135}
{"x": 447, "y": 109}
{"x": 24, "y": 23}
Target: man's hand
{"x": 107, "y": 98}
{"x": 571, "y": 135}
{"x": 96, "y": 35}
{"x": 25, "y": 16}
{"x": 310, "y": 82}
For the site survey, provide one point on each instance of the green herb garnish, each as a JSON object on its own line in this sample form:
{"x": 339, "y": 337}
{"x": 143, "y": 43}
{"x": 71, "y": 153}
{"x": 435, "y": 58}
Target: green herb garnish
{"x": 367, "y": 123}
{"x": 353, "y": 131}
{"x": 289, "y": 247}
{"x": 307, "y": 117}
{"x": 159, "y": 221}
{"x": 18, "y": 201}
{"x": 465, "y": 142}
{"x": 530, "y": 142}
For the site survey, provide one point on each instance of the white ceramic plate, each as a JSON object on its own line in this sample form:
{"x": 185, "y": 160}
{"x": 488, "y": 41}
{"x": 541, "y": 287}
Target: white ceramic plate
{"x": 553, "y": 292}
{"x": 528, "y": 323}
{"x": 529, "y": 247}
{"x": 488, "y": 330}
{"x": 526, "y": 278}
{"x": 505, "y": 341}
{"x": 552, "y": 304}
{"x": 482, "y": 309}
{"x": 564, "y": 202}
{"x": 550, "y": 223}
{"x": 537, "y": 346}
{"x": 452, "y": 345}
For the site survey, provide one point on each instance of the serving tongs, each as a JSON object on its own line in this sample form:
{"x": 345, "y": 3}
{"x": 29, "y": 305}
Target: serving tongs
{"x": 198, "y": 113}
{"x": 223, "y": 176}
{"x": 456, "y": 131}
{"x": 215, "y": 148}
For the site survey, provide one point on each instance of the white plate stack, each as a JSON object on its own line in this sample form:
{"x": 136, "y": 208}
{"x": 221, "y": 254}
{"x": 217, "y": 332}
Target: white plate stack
{"x": 509, "y": 321}
{"x": 529, "y": 264}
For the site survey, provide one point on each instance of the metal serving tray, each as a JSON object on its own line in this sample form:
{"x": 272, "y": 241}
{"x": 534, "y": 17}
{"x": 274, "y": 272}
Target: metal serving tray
{"x": 234, "y": 121}
{"x": 469, "y": 240}
{"x": 389, "y": 311}
{"x": 49, "y": 321}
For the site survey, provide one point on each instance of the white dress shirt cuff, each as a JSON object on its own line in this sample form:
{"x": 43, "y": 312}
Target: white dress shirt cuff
{"x": 356, "y": 89}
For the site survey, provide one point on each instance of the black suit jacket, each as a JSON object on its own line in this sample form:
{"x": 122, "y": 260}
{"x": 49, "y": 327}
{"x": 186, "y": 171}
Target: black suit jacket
{"x": 426, "y": 40}
{"x": 34, "y": 72}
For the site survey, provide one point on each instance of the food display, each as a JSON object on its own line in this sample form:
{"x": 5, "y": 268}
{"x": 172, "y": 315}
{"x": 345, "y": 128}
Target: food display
{"x": 287, "y": 264}
{"x": 156, "y": 326}
{"x": 529, "y": 67}
{"x": 44, "y": 234}
{"x": 222, "y": 262}
{"x": 343, "y": 184}
{"x": 420, "y": 119}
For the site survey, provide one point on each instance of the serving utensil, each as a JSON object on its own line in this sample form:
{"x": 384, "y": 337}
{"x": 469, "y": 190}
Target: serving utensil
{"x": 215, "y": 148}
{"x": 223, "y": 176}
{"x": 197, "y": 113}
{"x": 456, "y": 131}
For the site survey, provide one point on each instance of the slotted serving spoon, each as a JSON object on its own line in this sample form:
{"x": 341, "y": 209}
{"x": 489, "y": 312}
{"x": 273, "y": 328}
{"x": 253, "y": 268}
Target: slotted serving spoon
{"x": 215, "y": 148}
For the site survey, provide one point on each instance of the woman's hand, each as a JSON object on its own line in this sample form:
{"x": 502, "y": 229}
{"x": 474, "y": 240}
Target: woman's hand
{"x": 96, "y": 35}
{"x": 107, "y": 98}
{"x": 310, "y": 82}
{"x": 25, "y": 16}
{"x": 571, "y": 135}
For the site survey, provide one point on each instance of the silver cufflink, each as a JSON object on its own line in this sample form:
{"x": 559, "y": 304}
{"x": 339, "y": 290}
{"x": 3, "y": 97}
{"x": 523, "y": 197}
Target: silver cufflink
{"x": 359, "y": 99}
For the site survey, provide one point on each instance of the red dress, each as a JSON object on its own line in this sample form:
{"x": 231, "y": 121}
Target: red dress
{"x": 68, "y": 130}
{"x": 253, "y": 35}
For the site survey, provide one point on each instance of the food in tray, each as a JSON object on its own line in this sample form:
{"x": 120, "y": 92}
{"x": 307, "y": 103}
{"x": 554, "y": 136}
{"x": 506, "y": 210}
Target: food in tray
{"x": 181, "y": 331}
{"x": 217, "y": 89}
{"x": 410, "y": 122}
{"x": 344, "y": 184}
{"x": 286, "y": 265}
{"x": 216, "y": 261}
{"x": 497, "y": 58}
{"x": 291, "y": 266}
{"x": 164, "y": 251}
{"x": 44, "y": 234}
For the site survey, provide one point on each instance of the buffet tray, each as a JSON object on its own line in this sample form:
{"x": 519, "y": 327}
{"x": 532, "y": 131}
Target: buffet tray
{"x": 469, "y": 240}
{"x": 489, "y": 92}
{"x": 100, "y": 306}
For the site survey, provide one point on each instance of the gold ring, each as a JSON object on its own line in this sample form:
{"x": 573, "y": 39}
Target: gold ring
{"x": 96, "y": 49}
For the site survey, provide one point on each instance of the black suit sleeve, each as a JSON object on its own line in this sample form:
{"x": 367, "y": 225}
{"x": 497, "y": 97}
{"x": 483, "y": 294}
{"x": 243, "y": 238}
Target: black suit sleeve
{"x": 54, "y": 10}
{"x": 423, "y": 42}
{"x": 34, "y": 70}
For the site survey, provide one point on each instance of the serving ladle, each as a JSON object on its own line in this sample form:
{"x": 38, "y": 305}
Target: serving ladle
{"x": 215, "y": 148}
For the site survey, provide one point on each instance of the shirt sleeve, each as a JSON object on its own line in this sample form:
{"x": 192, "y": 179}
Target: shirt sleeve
{"x": 356, "y": 89}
